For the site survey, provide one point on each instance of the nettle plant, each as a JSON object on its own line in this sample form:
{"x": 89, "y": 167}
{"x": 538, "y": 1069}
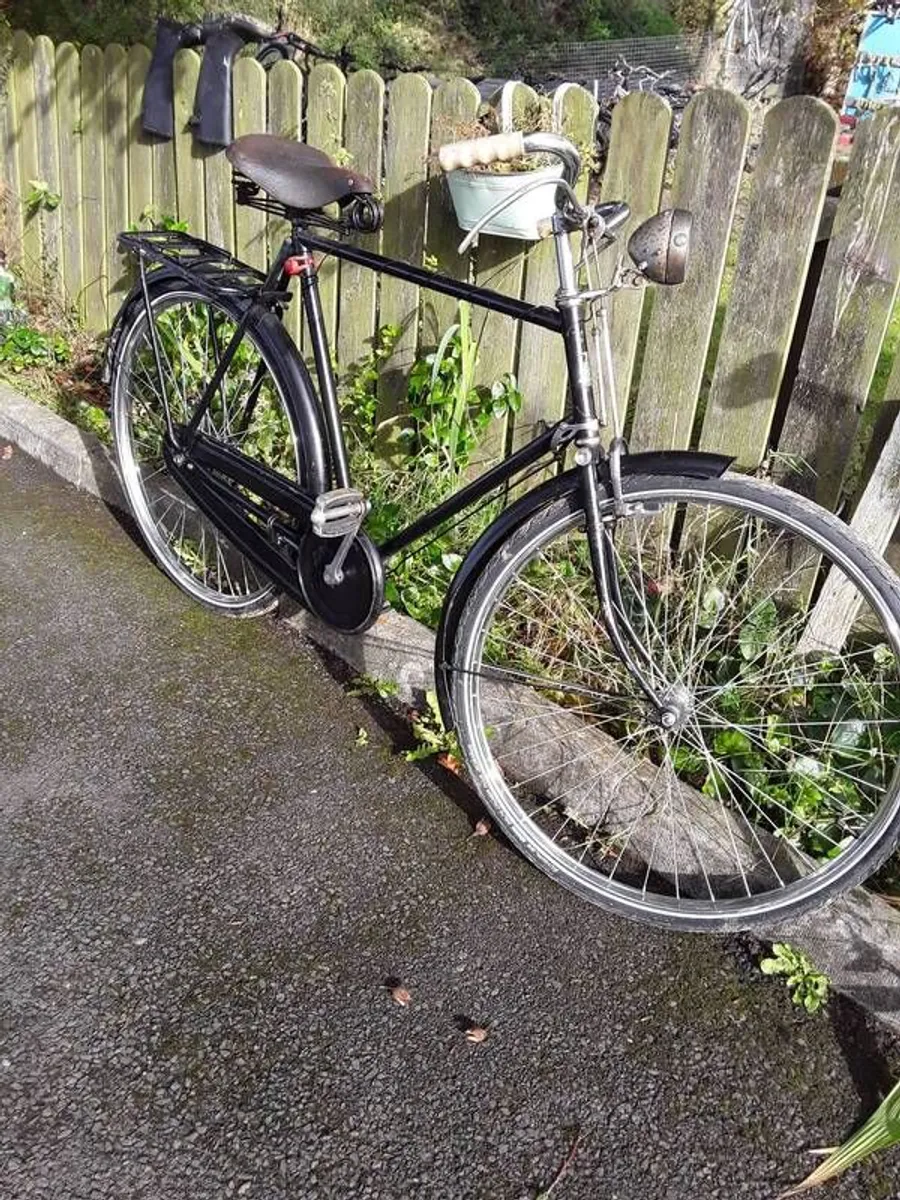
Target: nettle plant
{"x": 450, "y": 411}
{"x": 446, "y": 416}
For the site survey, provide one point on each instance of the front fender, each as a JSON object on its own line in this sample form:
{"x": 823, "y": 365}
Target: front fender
{"x": 693, "y": 464}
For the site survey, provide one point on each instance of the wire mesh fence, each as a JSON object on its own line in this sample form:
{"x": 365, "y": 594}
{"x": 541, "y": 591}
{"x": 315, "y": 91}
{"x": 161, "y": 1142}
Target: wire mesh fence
{"x": 681, "y": 55}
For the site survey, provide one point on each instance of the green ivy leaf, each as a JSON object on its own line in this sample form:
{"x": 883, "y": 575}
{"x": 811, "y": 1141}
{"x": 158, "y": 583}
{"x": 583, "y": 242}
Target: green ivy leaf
{"x": 732, "y": 741}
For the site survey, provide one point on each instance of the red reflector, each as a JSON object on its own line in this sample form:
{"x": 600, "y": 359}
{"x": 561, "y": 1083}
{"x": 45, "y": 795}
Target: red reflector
{"x": 297, "y": 264}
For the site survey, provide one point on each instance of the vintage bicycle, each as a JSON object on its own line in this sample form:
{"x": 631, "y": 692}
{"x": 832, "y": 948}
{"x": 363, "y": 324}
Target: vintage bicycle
{"x": 675, "y": 688}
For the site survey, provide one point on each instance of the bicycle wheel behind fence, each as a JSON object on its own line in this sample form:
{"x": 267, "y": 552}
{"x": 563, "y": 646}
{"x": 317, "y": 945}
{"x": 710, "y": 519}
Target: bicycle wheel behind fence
{"x": 248, "y": 412}
{"x": 773, "y": 637}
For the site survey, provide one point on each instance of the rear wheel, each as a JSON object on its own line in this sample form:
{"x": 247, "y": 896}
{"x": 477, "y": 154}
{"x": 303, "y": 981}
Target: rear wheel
{"x": 766, "y": 781}
{"x": 250, "y": 411}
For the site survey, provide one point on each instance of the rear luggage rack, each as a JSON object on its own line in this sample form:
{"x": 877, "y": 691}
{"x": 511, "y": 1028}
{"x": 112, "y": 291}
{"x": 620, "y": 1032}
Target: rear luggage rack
{"x": 201, "y": 263}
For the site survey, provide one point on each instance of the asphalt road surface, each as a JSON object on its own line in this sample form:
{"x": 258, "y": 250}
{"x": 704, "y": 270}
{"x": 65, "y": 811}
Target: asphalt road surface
{"x": 205, "y": 883}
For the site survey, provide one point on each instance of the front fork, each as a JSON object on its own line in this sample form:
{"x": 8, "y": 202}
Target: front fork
{"x": 588, "y": 457}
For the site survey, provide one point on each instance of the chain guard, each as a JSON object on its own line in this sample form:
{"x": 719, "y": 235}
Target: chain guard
{"x": 353, "y": 604}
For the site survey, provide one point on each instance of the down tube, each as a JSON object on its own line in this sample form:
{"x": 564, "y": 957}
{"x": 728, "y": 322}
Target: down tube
{"x": 473, "y": 492}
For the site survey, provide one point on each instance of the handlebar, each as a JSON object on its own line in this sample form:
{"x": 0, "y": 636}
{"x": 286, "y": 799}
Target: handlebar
{"x": 504, "y": 147}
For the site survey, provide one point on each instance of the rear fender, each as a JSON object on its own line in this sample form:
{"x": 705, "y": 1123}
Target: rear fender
{"x": 693, "y": 464}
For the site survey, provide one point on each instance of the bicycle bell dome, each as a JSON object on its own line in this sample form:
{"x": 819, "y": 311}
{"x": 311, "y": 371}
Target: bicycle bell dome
{"x": 659, "y": 247}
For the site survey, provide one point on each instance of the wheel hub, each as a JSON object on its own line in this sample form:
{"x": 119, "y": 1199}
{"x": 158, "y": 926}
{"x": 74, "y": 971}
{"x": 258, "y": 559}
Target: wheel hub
{"x": 677, "y": 706}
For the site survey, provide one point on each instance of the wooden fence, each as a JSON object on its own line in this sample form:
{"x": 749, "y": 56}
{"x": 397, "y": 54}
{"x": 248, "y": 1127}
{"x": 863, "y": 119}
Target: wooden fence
{"x": 699, "y": 367}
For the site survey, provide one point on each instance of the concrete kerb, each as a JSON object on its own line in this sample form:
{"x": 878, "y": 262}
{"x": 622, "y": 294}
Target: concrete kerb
{"x": 854, "y": 940}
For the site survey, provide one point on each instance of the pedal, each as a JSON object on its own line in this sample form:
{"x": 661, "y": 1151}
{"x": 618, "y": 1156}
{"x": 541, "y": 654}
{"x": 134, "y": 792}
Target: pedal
{"x": 338, "y": 513}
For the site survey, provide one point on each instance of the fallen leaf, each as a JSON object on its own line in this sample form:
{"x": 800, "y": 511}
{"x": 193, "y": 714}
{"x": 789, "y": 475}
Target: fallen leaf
{"x": 482, "y": 828}
{"x": 401, "y": 995}
{"x": 475, "y": 1033}
{"x": 362, "y": 736}
{"x": 450, "y": 761}
{"x": 6, "y": 452}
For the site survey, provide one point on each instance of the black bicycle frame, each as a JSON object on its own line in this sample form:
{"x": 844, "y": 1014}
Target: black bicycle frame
{"x": 564, "y": 321}
{"x": 582, "y": 428}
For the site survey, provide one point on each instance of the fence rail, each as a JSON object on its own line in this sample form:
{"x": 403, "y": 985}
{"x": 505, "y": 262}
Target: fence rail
{"x": 704, "y": 363}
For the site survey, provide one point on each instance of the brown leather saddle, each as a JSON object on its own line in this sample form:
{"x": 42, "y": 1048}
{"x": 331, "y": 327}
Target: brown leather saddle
{"x": 296, "y": 175}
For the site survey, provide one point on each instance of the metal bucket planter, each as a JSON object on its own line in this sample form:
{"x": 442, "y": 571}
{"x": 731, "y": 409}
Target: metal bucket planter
{"x": 475, "y": 192}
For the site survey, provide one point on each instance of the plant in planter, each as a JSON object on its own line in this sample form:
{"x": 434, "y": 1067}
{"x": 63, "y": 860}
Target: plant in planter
{"x": 476, "y": 189}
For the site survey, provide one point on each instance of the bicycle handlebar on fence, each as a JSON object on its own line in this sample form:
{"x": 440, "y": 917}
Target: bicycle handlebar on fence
{"x": 504, "y": 147}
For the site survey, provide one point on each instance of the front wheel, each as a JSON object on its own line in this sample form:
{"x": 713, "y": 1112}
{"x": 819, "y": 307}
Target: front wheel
{"x": 773, "y": 636}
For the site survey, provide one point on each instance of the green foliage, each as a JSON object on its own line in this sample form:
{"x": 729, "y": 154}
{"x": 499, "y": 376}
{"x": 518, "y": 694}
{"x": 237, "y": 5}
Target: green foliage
{"x": 26, "y": 347}
{"x": 832, "y": 46}
{"x": 153, "y": 218}
{"x": 447, "y": 416}
{"x": 99, "y": 21}
{"x": 431, "y": 735}
{"x": 360, "y": 397}
{"x": 880, "y": 1132}
{"x": 371, "y": 685}
{"x": 697, "y": 15}
{"x": 40, "y": 198}
{"x": 449, "y": 411}
{"x": 603, "y": 19}
{"x": 769, "y": 752}
{"x": 87, "y": 416}
{"x": 808, "y": 987}
{"x": 454, "y": 35}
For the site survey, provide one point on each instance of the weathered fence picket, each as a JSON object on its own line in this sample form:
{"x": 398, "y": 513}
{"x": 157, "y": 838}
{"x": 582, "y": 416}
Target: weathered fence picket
{"x": 499, "y": 264}
{"x": 708, "y": 168}
{"x": 10, "y": 203}
{"x": 363, "y": 138}
{"x": 325, "y": 130}
{"x": 249, "y": 98}
{"x": 115, "y": 121}
{"x": 775, "y": 249}
{"x": 26, "y": 142}
{"x": 853, "y": 305}
{"x": 875, "y": 520}
{"x": 541, "y": 364}
{"x": 285, "y": 120}
{"x": 219, "y": 193}
{"x": 140, "y": 146}
{"x": 68, "y": 91}
{"x": 405, "y": 156}
{"x": 45, "y": 107}
{"x": 635, "y": 167}
{"x": 72, "y": 122}
{"x": 455, "y": 102}
{"x": 188, "y": 152}
{"x": 93, "y": 175}
{"x": 165, "y": 185}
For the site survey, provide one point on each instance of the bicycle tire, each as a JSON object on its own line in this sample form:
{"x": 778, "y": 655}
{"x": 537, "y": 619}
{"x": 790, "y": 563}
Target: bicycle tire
{"x": 530, "y": 659}
{"x": 196, "y": 555}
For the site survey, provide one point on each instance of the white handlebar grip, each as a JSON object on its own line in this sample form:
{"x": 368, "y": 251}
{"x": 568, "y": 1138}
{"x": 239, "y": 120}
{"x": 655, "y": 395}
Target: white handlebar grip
{"x": 501, "y": 147}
